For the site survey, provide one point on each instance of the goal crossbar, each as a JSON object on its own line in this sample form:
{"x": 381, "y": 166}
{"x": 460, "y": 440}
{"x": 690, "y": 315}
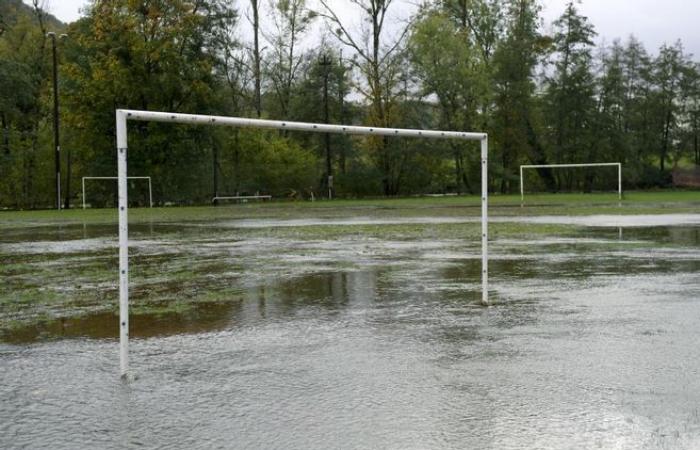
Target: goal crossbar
{"x": 150, "y": 186}
{"x": 124, "y": 115}
{"x": 562, "y": 166}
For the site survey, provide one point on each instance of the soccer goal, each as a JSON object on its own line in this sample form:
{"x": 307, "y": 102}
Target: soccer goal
{"x": 150, "y": 186}
{"x": 562, "y": 166}
{"x": 123, "y": 116}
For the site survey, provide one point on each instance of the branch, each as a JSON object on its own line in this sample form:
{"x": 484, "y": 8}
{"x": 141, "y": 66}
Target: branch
{"x": 396, "y": 44}
{"x": 349, "y": 41}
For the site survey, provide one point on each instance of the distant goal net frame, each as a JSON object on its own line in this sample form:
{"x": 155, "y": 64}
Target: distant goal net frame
{"x": 564, "y": 166}
{"x": 123, "y": 116}
{"x": 150, "y": 187}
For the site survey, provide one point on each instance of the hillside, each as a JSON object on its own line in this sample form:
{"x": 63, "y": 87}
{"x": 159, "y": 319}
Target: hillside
{"x": 12, "y": 10}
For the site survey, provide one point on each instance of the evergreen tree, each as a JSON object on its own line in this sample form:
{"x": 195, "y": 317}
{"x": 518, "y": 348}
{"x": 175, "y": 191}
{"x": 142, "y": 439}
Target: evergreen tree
{"x": 669, "y": 70}
{"x": 516, "y": 135}
{"x": 570, "y": 94}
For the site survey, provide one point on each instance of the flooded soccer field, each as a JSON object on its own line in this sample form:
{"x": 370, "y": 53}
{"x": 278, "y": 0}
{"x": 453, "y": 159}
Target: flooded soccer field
{"x": 357, "y": 327}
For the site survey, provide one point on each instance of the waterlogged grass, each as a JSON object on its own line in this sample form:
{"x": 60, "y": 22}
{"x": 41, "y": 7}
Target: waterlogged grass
{"x": 179, "y": 275}
{"x": 408, "y": 232}
{"x": 535, "y": 204}
{"x": 187, "y": 258}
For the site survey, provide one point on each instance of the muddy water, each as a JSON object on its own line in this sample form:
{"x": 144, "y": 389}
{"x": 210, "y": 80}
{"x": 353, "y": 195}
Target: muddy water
{"x": 373, "y": 343}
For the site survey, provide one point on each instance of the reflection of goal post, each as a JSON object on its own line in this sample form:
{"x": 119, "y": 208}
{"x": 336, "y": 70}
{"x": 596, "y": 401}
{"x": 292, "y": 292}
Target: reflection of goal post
{"x": 123, "y": 116}
{"x": 554, "y": 166}
{"x": 150, "y": 186}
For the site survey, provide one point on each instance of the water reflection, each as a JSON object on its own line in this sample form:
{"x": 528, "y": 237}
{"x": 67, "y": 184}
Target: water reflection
{"x": 328, "y": 369}
{"x": 329, "y": 292}
{"x": 104, "y": 325}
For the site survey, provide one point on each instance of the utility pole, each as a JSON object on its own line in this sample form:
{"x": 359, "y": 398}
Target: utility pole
{"x": 326, "y": 63}
{"x": 56, "y": 139}
{"x": 341, "y": 100}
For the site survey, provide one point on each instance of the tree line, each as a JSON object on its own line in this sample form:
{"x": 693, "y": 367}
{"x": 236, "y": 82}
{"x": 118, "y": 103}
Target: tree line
{"x": 472, "y": 65}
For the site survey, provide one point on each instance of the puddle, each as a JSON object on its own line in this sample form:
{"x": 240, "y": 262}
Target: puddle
{"x": 625, "y": 221}
{"x": 104, "y": 325}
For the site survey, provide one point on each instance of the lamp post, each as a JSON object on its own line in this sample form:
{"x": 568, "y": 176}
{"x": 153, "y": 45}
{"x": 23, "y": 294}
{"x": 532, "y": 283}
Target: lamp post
{"x": 56, "y": 139}
{"x": 341, "y": 103}
{"x": 326, "y": 63}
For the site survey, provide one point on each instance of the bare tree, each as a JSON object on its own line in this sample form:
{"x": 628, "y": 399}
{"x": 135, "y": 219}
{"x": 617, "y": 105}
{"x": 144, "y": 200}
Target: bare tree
{"x": 291, "y": 20}
{"x": 257, "y": 76}
{"x": 380, "y": 64}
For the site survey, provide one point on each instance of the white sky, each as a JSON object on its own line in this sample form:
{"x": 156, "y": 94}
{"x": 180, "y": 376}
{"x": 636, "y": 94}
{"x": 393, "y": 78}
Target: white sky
{"x": 652, "y": 21}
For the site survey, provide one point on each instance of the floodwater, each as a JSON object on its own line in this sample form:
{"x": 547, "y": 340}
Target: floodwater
{"x": 373, "y": 343}
{"x": 631, "y": 220}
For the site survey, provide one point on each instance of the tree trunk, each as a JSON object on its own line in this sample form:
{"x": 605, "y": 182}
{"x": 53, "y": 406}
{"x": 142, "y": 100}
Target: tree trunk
{"x": 537, "y": 156}
{"x": 458, "y": 171}
{"x": 256, "y": 57}
{"x": 5, "y": 134}
{"x": 236, "y": 161}
{"x": 215, "y": 168}
{"x": 696, "y": 148}
{"x": 66, "y": 204}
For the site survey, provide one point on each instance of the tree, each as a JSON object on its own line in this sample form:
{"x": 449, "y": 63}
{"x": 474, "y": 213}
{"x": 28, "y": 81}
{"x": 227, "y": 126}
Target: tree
{"x": 611, "y": 139}
{"x": 236, "y": 73}
{"x": 381, "y": 65}
{"x": 636, "y": 72}
{"x": 27, "y": 179}
{"x": 257, "y": 57}
{"x": 669, "y": 70}
{"x": 570, "y": 96}
{"x": 691, "y": 106}
{"x": 451, "y": 67}
{"x": 291, "y": 20}
{"x": 516, "y": 108}
{"x": 481, "y": 21}
{"x": 308, "y": 104}
{"x": 157, "y": 55}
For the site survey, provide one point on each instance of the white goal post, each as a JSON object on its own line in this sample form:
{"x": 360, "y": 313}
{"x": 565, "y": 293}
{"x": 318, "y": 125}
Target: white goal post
{"x": 123, "y": 115}
{"x": 150, "y": 186}
{"x": 555, "y": 166}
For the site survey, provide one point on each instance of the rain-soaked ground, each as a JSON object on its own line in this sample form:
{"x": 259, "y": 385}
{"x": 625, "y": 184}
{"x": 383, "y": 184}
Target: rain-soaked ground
{"x": 312, "y": 333}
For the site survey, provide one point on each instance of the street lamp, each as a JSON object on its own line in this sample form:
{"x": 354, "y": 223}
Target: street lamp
{"x": 56, "y": 140}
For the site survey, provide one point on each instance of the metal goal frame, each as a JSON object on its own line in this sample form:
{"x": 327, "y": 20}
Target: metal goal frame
{"x": 556, "y": 166}
{"x": 124, "y": 115}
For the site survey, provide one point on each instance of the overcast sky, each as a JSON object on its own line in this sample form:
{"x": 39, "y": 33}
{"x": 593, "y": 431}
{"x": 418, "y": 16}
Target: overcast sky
{"x": 652, "y": 21}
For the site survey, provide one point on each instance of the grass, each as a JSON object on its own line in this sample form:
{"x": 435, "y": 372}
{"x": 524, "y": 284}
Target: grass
{"x": 648, "y": 202}
{"x": 43, "y": 286}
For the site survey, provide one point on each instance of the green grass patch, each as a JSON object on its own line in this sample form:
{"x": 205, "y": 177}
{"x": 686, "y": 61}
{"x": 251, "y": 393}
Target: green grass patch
{"x": 573, "y": 204}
